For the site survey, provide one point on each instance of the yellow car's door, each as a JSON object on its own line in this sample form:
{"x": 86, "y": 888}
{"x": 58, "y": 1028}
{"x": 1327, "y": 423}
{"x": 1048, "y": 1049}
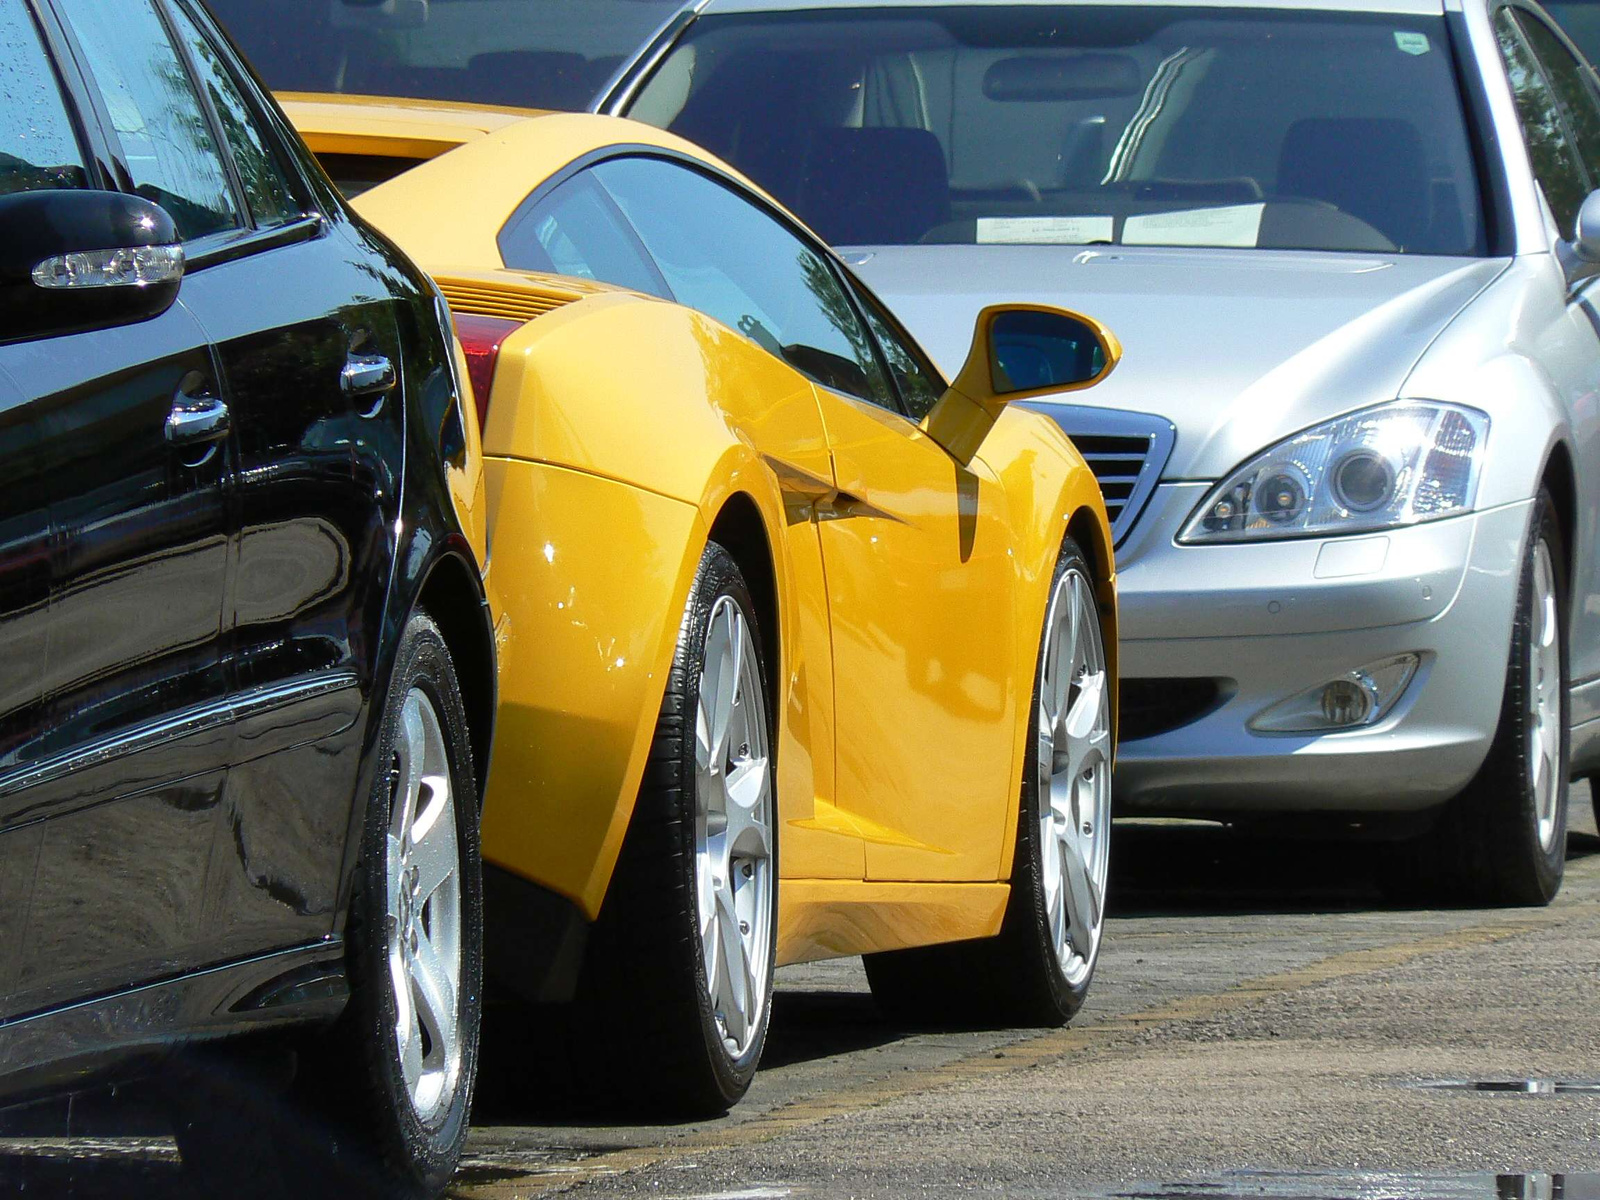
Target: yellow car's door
{"x": 721, "y": 254}
{"x": 920, "y": 599}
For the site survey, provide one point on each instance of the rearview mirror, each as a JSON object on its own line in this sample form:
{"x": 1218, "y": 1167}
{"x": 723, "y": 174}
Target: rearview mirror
{"x": 73, "y": 260}
{"x": 1580, "y": 258}
{"x": 1019, "y": 351}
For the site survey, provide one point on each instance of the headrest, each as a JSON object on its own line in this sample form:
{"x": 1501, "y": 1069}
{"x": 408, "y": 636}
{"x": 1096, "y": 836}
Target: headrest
{"x": 1374, "y": 168}
{"x": 875, "y": 186}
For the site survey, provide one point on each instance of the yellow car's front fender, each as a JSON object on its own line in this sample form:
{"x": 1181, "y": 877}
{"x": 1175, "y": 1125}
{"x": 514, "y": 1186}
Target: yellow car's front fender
{"x": 1053, "y": 493}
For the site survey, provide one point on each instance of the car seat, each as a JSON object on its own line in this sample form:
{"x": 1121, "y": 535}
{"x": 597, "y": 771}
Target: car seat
{"x": 1373, "y": 168}
{"x": 874, "y": 186}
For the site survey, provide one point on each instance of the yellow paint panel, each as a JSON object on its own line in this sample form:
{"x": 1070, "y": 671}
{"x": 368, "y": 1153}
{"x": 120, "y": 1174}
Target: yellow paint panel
{"x": 391, "y": 127}
{"x": 468, "y": 488}
{"x": 921, "y": 589}
{"x": 834, "y": 918}
{"x": 590, "y": 578}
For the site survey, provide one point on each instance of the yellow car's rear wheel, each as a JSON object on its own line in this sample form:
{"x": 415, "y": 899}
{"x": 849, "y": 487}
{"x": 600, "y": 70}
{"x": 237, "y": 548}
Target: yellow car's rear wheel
{"x": 1038, "y": 969}
{"x": 680, "y": 964}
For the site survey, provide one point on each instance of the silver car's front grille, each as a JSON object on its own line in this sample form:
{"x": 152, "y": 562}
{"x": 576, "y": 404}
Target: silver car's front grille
{"x": 1125, "y": 450}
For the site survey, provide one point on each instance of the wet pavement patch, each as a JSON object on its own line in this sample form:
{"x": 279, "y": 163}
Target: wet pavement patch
{"x": 1517, "y": 1087}
{"x": 1371, "y": 1185}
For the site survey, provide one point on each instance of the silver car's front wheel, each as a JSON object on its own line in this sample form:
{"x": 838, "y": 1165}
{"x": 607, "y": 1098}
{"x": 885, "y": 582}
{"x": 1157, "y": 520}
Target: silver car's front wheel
{"x": 1504, "y": 839}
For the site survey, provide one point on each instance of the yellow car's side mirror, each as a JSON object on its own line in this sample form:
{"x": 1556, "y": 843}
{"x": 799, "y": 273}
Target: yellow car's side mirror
{"x": 1018, "y": 351}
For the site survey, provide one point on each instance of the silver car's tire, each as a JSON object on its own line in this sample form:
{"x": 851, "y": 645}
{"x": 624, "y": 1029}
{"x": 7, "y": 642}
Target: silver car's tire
{"x": 1503, "y": 841}
{"x": 1037, "y": 971}
{"x": 679, "y": 965}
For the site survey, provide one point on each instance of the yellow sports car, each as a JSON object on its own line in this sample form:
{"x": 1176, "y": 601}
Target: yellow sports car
{"x": 804, "y": 652}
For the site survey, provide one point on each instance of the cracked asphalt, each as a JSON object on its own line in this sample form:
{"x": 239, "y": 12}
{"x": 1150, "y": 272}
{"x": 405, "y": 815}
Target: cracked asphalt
{"x": 1261, "y": 1025}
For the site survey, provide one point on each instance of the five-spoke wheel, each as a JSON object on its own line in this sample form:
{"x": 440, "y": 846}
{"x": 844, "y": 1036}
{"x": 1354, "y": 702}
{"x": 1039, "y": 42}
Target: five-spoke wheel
{"x": 733, "y": 827}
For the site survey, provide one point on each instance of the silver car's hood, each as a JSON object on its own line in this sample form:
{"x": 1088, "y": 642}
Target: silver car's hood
{"x": 1237, "y": 348}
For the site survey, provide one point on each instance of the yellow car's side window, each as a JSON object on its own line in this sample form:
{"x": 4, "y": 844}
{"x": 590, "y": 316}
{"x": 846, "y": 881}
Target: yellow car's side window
{"x": 723, "y": 255}
{"x": 577, "y": 230}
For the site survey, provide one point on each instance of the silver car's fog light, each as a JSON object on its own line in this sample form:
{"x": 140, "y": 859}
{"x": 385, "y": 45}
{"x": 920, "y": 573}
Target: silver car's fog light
{"x": 1359, "y": 698}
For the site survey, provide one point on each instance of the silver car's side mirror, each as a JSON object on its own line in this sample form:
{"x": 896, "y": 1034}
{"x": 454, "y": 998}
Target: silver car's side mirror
{"x": 1580, "y": 258}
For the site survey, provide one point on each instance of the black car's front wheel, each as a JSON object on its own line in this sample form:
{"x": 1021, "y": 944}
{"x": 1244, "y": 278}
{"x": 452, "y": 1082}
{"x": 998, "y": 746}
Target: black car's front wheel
{"x": 379, "y": 1104}
{"x": 416, "y": 924}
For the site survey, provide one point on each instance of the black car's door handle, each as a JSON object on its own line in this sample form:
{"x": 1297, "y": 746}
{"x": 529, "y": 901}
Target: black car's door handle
{"x": 195, "y": 420}
{"x": 367, "y": 375}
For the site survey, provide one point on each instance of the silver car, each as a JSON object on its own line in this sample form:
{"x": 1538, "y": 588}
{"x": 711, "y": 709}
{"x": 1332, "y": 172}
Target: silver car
{"x": 1351, "y": 451}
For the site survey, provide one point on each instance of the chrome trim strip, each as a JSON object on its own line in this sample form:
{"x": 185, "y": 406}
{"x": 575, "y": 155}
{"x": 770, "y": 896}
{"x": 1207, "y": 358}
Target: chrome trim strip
{"x": 234, "y": 709}
{"x": 1081, "y": 420}
{"x": 618, "y": 92}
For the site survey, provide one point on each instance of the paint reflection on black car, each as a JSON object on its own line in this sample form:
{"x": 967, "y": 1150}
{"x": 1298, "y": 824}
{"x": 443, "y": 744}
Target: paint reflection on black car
{"x": 228, "y": 412}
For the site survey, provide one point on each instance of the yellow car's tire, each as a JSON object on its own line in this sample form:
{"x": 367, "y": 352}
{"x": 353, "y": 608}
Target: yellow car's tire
{"x": 691, "y": 912}
{"x": 1038, "y": 969}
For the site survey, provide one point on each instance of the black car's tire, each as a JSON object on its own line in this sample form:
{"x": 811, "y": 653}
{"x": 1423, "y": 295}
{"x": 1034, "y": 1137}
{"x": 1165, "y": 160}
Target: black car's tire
{"x": 1027, "y": 975}
{"x": 655, "y": 1033}
{"x": 1503, "y": 840}
{"x": 353, "y": 1121}
{"x": 416, "y": 1140}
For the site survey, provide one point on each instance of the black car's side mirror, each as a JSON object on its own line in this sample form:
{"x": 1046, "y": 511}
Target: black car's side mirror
{"x": 72, "y": 260}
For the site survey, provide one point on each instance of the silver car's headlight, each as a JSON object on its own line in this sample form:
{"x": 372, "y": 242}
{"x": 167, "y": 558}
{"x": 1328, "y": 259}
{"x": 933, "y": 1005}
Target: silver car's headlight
{"x": 1393, "y": 464}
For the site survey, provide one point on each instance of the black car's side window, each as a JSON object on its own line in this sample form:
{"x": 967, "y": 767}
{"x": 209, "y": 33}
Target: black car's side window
{"x": 722, "y": 255}
{"x": 155, "y": 113}
{"x": 1574, "y": 90}
{"x": 577, "y": 230}
{"x": 266, "y": 187}
{"x": 38, "y": 147}
{"x": 919, "y": 383}
{"x": 1550, "y": 148}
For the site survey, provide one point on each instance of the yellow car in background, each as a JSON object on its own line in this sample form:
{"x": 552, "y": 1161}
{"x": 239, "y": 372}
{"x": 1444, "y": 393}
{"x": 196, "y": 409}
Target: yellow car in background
{"x": 804, "y": 651}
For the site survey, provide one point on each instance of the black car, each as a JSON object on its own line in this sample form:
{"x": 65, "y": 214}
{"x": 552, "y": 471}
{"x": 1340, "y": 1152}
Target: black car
{"x": 246, "y": 665}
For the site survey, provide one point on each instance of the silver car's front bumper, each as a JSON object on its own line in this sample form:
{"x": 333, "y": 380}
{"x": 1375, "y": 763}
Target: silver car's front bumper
{"x": 1268, "y": 620}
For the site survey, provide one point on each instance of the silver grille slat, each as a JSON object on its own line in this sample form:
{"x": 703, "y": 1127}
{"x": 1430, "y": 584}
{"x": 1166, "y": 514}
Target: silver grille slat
{"x": 1127, "y": 452}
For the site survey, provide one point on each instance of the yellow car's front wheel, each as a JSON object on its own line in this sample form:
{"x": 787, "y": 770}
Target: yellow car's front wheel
{"x": 679, "y": 969}
{"x": 1038, "y": 969}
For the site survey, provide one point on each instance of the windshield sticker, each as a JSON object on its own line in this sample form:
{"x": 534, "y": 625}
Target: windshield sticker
{"x": 1046, "y": 231}
{"x": 1411, "y": 43}
{"x": 1233, "y": 225}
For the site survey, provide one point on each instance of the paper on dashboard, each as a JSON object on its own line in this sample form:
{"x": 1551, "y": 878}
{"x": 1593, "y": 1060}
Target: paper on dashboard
{"x": 1231, "y": 225}
{"x": 1045, "y": 231}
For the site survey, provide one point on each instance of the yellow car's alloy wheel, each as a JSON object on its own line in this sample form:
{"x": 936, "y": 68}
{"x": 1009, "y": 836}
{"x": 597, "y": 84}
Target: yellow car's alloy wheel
{"x": 733, "y": 828}
{"x": 1074, "y": 762}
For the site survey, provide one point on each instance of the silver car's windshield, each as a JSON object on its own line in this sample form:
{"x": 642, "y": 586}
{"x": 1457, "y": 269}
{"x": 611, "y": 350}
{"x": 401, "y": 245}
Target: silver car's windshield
{"x": 527, "y": 53}
{"x": 1135, "y": 125}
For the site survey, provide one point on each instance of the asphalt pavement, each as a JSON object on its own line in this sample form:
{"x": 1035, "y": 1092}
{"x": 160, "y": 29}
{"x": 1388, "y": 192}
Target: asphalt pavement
{"x": 1262, "y": 1024}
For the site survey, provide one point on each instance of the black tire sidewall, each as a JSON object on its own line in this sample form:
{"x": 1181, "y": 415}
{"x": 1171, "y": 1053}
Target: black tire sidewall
{"x": 719, "y": 576}
{"x": 421, "y": 1154}
{"x": 1513, "y": 739}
